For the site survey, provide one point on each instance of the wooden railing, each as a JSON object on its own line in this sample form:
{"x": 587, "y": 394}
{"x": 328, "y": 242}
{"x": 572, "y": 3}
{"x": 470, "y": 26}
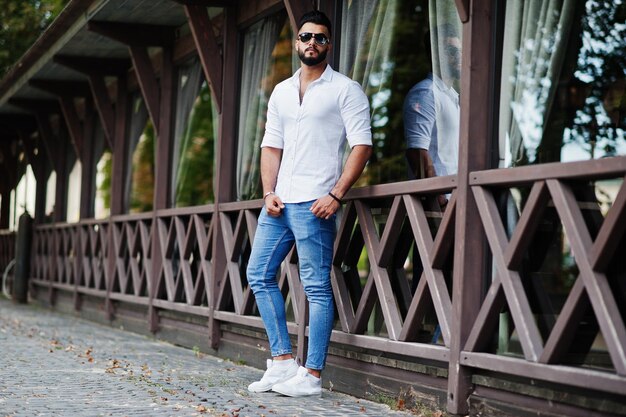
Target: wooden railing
{"x": 563, "y": 188}
{"x": 164, "y": 260}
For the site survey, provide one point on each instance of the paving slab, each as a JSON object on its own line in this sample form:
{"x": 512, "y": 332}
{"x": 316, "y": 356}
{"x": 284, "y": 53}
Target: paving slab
{"x": 54, "y": 364}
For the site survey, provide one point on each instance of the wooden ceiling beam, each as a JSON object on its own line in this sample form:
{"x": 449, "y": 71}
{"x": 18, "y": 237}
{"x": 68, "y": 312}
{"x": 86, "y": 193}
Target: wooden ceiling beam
{"x": 62, "y": 88}
{"x": 36, "y": 105}
{"x": 94, "y": 66}
{"x": 208, "y": 49}
{"x": 295, "y": 9}
{"x": 147, "y": 82}
{"x": 134, "y": 34}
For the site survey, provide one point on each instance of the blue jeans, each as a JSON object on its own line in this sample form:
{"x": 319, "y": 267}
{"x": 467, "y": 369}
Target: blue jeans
{"x": 314, "y": 240}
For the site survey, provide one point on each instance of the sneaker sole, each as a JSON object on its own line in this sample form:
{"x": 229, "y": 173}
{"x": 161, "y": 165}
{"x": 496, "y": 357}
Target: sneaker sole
{"x": 318, "y": 394}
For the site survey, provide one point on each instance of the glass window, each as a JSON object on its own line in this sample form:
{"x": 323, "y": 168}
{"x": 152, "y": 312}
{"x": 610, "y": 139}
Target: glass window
{"x": 267, "y": 60}
{"x": 196, "y": 129}
{"x": 141, "y": 133}
{"x": 563, "y": 86}
{"x": 73, "y": 192}
{"x": 406, "y": 56}
{"x": 103, "y": 183}
{"x": 562, "y": 99}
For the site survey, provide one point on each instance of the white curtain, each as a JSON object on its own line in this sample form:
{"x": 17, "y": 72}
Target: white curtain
{"x": 258, "y": 44}
{"x": 138, "y": 119}
{"x": 366, "y": 41}
{"x": 534, "y": 50}
{"x": 189, "y": 81}
{"x": 444, "y": 23}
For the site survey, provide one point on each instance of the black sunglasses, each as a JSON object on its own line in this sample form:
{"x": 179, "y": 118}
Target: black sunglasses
{"x": 319, "y": 38}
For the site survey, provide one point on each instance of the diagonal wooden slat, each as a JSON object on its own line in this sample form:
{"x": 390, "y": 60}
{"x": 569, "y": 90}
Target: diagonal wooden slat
{"x": 233, "y": 275}
{"x": 527, "y": 225}
{"x": 416, "y": 311}
{"x": 366, "y": 305}
{"x": 436, "y": 280}
{"x": 445, "y": 235}
{"x": 598, "y": 289}
{"x": 487, "y": 318}
{"x": 522, "y": 315}
{"x": 611, "y": 232}
{"x": 342, "y": 299}
{"x": 391, "y": 233}
{"x": 388, "y": 304}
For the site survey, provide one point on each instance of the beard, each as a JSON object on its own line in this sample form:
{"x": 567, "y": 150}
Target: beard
{"x": 312, "y": 60}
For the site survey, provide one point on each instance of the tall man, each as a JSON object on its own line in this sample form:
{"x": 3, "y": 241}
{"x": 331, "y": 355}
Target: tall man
{"x": 309, "y": 117}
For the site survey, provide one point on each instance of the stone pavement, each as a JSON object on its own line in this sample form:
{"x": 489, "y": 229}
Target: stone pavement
{"x": 53, "y": 364}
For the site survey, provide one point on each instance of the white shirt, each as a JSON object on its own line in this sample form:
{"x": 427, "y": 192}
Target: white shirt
{"x": 313, "y": 134}
{"x": 431, "y": 121}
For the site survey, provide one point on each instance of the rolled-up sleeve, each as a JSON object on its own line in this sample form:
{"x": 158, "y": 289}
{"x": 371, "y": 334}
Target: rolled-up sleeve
{"x": 273, "y": 127}
{"x": 355, "y": 113}
{"x": 419, "y": 117}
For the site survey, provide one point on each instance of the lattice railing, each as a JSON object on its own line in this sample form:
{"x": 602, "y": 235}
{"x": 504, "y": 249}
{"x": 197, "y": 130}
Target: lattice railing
{"x": 596, "y": 244}
{"x": 55, "y": 253}
{"x": 385, "y": 286}
{"x": 129, "y": 276}
{"x": 185, "y": 269}
{"x": 94, "y": 251}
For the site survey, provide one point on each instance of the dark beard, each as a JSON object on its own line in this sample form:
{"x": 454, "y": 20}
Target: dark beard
{"x": 311, "y": 61}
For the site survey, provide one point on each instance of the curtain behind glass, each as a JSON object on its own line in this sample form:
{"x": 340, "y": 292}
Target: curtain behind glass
{"x": 195, "y": 179}
{"x": 366, "y": 40}
{"x": 444, "y": 23}
{"x": 138, "y": 119}
{"x": 259, "y": 42}
{"x": 534, "y": 50}
{"x": 189, "y": 80}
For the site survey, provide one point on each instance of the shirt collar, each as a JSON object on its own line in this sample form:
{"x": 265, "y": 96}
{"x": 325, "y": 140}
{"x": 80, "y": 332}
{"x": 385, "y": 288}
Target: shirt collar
{"x": 441, "y": 85}
{"x": 327, "y": 75}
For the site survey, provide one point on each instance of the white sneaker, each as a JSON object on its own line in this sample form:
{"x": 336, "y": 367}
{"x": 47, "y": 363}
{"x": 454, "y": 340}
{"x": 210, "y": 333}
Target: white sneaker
{"x": 300, "y": 385}
{"x": 277, "y": 371}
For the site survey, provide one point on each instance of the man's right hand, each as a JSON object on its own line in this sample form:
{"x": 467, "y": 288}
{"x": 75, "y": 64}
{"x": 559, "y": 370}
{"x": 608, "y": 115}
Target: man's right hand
{"x": 274, "y": 205}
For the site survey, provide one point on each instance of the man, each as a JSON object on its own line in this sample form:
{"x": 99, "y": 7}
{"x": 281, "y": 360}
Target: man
{"x": 431, "y": 124}
{"x": 309, "y": 117}
{"x": 431, "y": 113}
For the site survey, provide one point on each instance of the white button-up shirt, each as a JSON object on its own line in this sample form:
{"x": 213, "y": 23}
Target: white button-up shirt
{"x": 431, "y": 121}
{"x": 312, "y": 135}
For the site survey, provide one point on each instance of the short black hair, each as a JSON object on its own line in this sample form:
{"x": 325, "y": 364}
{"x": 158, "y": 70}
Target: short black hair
{"x": 317, "y": 17}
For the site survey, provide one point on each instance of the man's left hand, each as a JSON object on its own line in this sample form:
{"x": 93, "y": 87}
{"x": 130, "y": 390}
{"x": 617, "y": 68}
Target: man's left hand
{"x": 325, "y": 207}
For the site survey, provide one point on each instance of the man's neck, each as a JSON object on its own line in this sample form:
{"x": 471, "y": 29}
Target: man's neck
{"x": 312, "y": 73}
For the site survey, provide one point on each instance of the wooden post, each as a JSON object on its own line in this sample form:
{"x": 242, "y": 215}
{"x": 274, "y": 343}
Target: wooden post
{"x": 224, "y": 161}
{"x": 470, "y": 263}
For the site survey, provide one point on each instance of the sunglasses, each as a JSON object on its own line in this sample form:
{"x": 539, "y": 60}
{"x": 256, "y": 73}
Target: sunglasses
{"x": 319, "y": 38}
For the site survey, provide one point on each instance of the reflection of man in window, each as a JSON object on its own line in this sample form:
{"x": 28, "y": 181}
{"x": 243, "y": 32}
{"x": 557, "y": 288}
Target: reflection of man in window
{"x": 309, "y": 118}
{"x": 431, "y": 112}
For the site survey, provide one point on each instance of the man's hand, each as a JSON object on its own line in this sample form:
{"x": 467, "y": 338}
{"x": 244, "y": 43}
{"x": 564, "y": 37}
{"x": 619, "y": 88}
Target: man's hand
{"x": 325, "y": 207}
{"x": 274, "y": 205}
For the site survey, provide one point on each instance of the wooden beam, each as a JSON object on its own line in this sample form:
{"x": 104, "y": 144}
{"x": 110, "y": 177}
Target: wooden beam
{"x": 119, "y": 147}
{"x": 72, "y": 121}
{"x": 104, "y": 105}
{"x": 208, "y": 49}
{"x": 462, "y": 6}
{"x": 134, "y": 34}
{"x": 475, "y": 144}
{"x": 147, "y": 82}
{"x": 94, "y": 66}
{"x": 62, "y": 87}
{"x": 295, "y": 9}
{"x": 36, "y": 105}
